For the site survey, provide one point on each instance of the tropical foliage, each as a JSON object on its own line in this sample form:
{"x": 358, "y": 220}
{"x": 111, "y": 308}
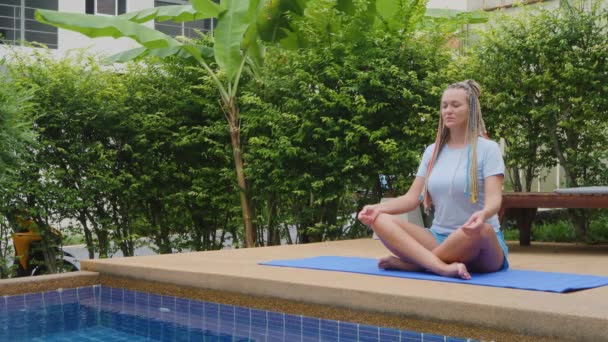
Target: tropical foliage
{"x": 544, "y": 77}
{"x": 329, "y": 105}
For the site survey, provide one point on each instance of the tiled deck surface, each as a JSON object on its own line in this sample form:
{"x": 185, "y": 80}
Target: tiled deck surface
{"x": 581, "y": 315}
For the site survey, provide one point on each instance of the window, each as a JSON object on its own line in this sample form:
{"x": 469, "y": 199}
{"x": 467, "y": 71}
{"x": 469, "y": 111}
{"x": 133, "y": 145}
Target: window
{"x": 107, "y": 7}
{"x": 188, "y": 29}
{"x": 17, "y": 22}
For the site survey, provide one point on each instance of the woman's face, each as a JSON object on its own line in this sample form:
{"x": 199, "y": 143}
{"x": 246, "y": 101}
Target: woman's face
{"x": 455, "y": 108}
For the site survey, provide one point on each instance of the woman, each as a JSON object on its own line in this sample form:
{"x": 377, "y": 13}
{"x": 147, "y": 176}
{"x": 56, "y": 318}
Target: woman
{"x": 461, "y": 176}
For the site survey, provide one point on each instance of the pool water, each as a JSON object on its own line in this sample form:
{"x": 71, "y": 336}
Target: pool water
{"x": 104, "y": 314}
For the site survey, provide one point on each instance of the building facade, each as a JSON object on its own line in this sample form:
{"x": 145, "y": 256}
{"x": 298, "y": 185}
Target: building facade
{"x": 19, "y": 27}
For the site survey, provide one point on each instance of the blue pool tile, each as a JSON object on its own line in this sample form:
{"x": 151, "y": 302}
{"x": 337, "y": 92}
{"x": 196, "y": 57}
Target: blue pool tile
{"x": 185, "y": 320}
{"x": 182, "y": 305}
{"x": 196, "y": 308}
{"x": 410, "y": 336}
{"x": 141, "y": 298}
{"x": 293, "y": 319}
{"x": 226, "y": 314}
{"x": 457, "y": 339}
{"x": 227, "y": 325}
{"x": 329, "y": 334}
{"x": 242, "y": 320}
{"x": 167, "y": 331}
{"x": 168, "y": 302}
{"x": 432, "y": 338}
{"x": 389, "y": 335}
{"x": 260, "y": 336}
{"x": 242, "y": 331}
{"x": 348, "y": 330}
{"x": 51, "y": 298}
{"x": 15, "y": 303}
{"x": 328, "y": 324}
{"x": 105, "y": 294}
{"x": 97, "y": 291}
{"x": 242, "y": 316}
{"x": 389, "y": 331}
{"x": 68, "y": 295}
{"x": 389, "y": 338}
{"x": 311, "y": 334}
{"x": 293, "y": 324}
{"x": 348, "y": 335}
{"x": 117, "y": 295}
{"x": 211, "y": 308}
{"x": 85, "y": 293}
{"x": 276, "y": 321}
{"x": 310, "y": 338}
{"x": 369, "y": 336}
{"x": 34, "y": 300}
{"x": 276, "y": 316}
{"x": 311, "y": 322}
{"x": 129, "y": 296}
{"x": 154, "y": 300}
{"x": 275, "y": 338}
{"x": 258, "y": 318}
{"x": 2, "y": 307}
{"x": 369, "y": 330}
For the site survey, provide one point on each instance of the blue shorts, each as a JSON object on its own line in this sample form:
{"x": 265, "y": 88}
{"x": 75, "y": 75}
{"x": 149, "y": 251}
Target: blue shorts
{"x": 501, "y": 241}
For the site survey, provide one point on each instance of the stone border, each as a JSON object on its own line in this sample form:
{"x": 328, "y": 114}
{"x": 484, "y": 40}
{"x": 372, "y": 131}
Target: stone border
{"x": 23, "y": 285}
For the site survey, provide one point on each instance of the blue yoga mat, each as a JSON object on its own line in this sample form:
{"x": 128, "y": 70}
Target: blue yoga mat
{"x": 514, "y": 279}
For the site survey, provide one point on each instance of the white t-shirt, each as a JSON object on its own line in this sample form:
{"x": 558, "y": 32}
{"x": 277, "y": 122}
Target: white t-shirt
{"x": 448, "y": 179}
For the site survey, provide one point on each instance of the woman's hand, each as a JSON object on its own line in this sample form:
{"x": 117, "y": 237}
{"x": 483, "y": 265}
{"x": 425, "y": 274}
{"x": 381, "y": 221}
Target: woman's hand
{"x": 368, "y": 214}
{"x": 476, "y": 221}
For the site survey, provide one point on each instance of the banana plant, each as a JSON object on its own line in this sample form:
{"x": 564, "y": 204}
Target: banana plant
{"x": 241, "y": 25}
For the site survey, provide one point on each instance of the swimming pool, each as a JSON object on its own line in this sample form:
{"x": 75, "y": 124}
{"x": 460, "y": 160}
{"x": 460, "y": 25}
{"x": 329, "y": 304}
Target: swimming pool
{"x": 102, "y": 313}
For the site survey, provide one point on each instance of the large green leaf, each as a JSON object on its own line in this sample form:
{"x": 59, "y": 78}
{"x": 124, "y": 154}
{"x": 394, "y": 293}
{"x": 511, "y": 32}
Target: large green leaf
{"x": 106, "y": 26}
{"x": 255, "y": 51}
{"x": 268, "y": 20}
{"x": 462, "y": 17}
{"x": 184, "y": 51}
{"x": 176, "y": 13}
{"x": 273, "y": 19}
{"x": 207, "y": 6}
{"x": 127, "y": 55}
{"x": 228, "y": 34}
{"x": 387, "y": 11}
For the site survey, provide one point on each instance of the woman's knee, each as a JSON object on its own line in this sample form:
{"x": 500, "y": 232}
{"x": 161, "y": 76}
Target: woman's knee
{"x": 485, "y": 231}
{"x": 382, "y": 220}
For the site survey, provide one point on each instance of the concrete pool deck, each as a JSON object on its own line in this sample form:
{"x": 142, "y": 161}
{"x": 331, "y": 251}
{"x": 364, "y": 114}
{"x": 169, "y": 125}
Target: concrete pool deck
{"x": 581, "y": 315}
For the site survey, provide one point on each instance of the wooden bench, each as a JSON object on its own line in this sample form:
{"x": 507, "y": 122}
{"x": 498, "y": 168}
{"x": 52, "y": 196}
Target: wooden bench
{"x": 523, "y": 206}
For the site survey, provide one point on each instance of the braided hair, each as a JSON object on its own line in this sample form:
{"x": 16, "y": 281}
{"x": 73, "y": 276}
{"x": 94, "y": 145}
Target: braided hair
{"x": 476, "y": 128}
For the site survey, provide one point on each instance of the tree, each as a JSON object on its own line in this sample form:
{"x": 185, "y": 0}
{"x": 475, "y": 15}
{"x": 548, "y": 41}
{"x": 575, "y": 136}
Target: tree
{"x": 546, "y": 73}
{"x": 240, "y": 24}
{"x": 15, "y": 135}
{"x": 358, "y": 101}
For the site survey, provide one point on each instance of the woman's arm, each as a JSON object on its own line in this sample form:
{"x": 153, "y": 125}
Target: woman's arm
{"x": 404, "y": 203}
{"x": 401, "y": 204}
{"x": 493, "y": 200}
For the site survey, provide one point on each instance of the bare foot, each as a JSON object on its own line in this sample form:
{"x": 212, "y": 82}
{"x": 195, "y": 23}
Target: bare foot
{"x": 457, "y": 270}
{"x": 391, "y": 262}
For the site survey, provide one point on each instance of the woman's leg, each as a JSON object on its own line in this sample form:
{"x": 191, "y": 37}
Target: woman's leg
{"x": 420, "y": 234}
{"x": 479, "y": 250}
{"x": 401, "y": 240}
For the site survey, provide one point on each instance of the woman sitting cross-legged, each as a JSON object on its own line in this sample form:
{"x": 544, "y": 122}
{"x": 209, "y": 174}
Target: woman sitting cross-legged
{"x": 460, "y": 176}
